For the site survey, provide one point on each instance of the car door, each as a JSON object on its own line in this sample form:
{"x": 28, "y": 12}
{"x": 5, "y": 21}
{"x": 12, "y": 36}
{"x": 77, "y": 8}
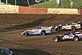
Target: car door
{"x": 37, "y": 30}
{"x": 71, "y": 36}
{"x": 34, "y": 31}
{"x": 66, "y": 37}
{"x": 66, "y": 26}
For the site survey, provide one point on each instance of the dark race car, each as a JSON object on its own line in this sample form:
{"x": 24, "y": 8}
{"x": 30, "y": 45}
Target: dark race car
{"x": 5, "y": 51}
{"x": 76, "y": 36}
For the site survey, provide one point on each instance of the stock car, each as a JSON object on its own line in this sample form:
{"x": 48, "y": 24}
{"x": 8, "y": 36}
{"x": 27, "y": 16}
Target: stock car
{"x": 5, "y": 51}
{"x": 38, "y": 30}
{"x": 76, "y": 36}
{"x": 69, "y": 26}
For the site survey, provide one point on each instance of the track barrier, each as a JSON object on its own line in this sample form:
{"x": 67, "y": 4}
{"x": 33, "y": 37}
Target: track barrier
{"x": 11, "y": 9}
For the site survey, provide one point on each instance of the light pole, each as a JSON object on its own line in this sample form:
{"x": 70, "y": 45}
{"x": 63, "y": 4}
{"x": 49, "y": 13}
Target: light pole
{"x": 46, "y": 3}
{"x": 6, "y": 2}
{"x": 0, "y": 1}
{"x": 28, "y": 2}
{"x": 15, "y": 2}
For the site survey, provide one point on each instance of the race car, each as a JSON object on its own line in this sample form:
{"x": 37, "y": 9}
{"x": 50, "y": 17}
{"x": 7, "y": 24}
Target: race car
{"x": 69, "y": 26}
{"x": 76, "y": 36}
{"x": 38, "y": 30}
{"x": 5, "y": 51}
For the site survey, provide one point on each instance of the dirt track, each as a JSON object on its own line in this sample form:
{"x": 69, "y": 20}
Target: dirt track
{"x": 38, "y": 45}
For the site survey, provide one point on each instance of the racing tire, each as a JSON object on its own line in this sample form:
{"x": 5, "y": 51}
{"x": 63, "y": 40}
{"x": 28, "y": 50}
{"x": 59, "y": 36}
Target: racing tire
{"x": 43, "y": 33}
{"x": 26, "y": 34}
{"x": 57, "y": 39}
{"x": 76, "y": 39}
{"x": 73, "y": 29}
{"x": 58, "y": 29}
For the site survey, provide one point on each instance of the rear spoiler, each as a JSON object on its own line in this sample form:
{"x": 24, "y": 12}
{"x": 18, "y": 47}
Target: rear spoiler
{"x": 50, "y": 26}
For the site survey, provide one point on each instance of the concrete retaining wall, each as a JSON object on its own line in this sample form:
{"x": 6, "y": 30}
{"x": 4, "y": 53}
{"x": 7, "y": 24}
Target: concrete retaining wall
{"x": 30, "y": 10}
{"x": 11, "y": 9}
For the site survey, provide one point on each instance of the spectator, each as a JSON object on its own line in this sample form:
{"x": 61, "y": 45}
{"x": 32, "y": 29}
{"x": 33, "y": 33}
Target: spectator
{"x": 71, "y": 3}
{"x": 58, "y": 3}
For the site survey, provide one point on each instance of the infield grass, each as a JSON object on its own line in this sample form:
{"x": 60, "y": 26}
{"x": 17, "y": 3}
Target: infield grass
{"x": 52, "y": 4}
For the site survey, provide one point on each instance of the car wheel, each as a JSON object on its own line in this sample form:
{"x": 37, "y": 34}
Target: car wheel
{"x": 57, "y": 39}
{"x": 76, "y": 39}
{"x": 57, "y": 29}
{"x": 26, "y": 34}
{"x": 43, "y": 33}
{"x": 73, "y": 29}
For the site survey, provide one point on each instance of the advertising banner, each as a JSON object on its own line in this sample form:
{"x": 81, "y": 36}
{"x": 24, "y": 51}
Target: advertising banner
{"x": 9, "y": 9}
{"x": 62, "y": 11}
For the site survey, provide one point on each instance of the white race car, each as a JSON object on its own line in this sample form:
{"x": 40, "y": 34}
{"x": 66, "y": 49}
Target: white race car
{"x": 38, "y": 30}
{"x": 69, "y": 26}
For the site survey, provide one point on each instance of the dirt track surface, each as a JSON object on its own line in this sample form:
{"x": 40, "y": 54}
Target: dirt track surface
{"x": 38, "y": 45}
